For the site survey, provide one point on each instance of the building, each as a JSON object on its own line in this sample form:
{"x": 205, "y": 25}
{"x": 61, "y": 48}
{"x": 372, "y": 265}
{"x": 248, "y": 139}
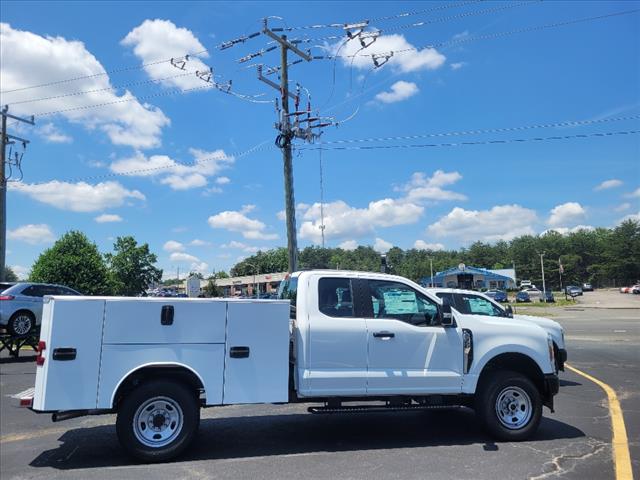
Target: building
{"x": 468, "y": 278}
{"x": 248, "y": 285}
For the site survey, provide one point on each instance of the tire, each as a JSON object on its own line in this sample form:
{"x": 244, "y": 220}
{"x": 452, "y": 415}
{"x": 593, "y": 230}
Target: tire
{"x": 158, "y": 420}
{"x": 509, "y": 406}
{"x": 21, "y": 323}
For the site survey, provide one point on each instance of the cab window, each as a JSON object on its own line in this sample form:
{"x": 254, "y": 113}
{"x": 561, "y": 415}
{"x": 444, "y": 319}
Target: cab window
{"x": 335, "y": 297}
{"x": 401, "y": 302}
{"x": 288, "y": 290}
{"x": 475, "y": 305}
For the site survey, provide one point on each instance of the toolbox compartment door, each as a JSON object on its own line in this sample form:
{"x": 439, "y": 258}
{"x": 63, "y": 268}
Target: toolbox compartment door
{"x": 72, "y": 332}
{"x": 143, "y": 321}
{"x": 257, "y": 353}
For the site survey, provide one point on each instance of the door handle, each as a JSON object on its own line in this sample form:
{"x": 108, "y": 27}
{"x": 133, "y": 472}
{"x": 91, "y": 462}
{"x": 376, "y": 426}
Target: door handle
{"x": 64, "y": 354}
{"x": 384, "y": 335}
{"x": 166, "y": 315}
{"x": 239, "y": 352}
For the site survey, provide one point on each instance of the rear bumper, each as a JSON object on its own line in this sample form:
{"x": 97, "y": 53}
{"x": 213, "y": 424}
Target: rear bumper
{"x": 550, "y": 389}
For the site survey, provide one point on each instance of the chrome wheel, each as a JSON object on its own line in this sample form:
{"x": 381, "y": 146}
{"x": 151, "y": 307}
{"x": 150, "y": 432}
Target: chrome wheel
{"x": 158, "y": 422}
{"x": 514, "y": 408}
{"x": 21, "y": 324}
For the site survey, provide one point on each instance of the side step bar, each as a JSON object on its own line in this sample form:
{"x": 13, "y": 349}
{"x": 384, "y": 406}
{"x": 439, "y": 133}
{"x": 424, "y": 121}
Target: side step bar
{"x": 377, "y": 408}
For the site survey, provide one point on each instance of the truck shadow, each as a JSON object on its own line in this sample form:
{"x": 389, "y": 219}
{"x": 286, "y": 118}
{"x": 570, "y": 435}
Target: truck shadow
{"x": 253, "y": 436}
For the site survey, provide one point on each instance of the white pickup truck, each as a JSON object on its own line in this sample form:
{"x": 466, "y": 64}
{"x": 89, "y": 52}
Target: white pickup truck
{"x": 378, "y": 340}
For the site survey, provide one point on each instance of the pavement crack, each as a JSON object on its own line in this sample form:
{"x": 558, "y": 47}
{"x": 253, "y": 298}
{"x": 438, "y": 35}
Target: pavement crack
{"x": 564, "y": 461}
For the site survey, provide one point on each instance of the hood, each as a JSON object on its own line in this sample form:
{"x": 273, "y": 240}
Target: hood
{"x": 554, "y": 328}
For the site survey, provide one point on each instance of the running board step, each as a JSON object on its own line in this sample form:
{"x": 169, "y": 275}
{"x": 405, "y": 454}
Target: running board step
{"x": 377, "y": 408}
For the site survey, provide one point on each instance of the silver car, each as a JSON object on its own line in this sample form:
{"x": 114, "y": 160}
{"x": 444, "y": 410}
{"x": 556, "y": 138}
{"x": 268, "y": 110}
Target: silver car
{"x": 21, "y": 305}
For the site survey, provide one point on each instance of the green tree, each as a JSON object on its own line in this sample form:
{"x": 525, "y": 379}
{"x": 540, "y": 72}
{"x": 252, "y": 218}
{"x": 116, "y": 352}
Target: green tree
{"x": 211, "y": 289}
{"x": 73, "y": 261}
{"x": 131, "y": 267}
{"x": 10, "y": 275}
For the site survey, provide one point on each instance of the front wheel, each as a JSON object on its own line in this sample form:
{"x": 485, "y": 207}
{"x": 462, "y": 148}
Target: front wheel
{"x": 21, "y": 323}
{"x": 158, "y": 420}
{"x": 509, "y": 406}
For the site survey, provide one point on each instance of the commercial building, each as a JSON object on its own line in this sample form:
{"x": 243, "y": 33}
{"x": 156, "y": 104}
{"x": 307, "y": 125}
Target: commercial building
{"x": 469, "y": 278}
{"x": 248, "y": 285}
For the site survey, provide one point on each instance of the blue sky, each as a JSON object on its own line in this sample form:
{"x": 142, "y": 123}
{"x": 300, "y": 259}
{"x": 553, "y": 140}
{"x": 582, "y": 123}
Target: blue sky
{"x": 209, "y": 214}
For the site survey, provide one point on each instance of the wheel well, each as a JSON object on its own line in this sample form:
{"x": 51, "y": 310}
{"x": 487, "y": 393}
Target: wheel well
{"x": 24, "y": 310}
{"x": 516, "y": 362}
{"x": 157, "y": 372}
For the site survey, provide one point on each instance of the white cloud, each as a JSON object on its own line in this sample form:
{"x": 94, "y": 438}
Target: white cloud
{"x": 348, "y": 245}
{"x": 409, "y": 60}
{"x": 421, "y": 187}
{"x": 78, "y": 197}
{"x": 566, "y": 214}
{"x": 108, "y": 218}
{"x": 622, "y": 207}
{"x": 502, "y": 222}
{"x": 200, "y": 267}
{"x": 21, "y": 272}
{"x": 222, "y": 180}
{"x": 173, "y": 246}
{"x": 381, "y": 246}
{"x": 31, "y": 59}
{"x": 156, "y": 40}
{"x": 211, "y": 191}
{"x": 633, "y": 216}
{"x": 566, "y": 230}
{"x": 613, "y": 183}
{"x": 183, "y": 257}
{"x": 196, "y": 242}
{"x": 342, "y": 220}
{"x": 243, "y": 246}
{"x": 634, "y": 194}
{"x": 32, "y": 233}
{"x": 458, "y": 65}
{"x": 422, "y": 245}
{"x": 178, "y": 176}
{"x": 53, "y": 134}
{"x": 238, "y": 222}
{"x": 400, "y": 91}
{"x": 179, "y": 229}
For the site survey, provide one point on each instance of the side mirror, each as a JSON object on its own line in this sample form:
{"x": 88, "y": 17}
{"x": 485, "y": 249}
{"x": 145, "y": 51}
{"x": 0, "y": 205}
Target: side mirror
{"x": 446, "y": 317}
{"x": 509, "y": 311}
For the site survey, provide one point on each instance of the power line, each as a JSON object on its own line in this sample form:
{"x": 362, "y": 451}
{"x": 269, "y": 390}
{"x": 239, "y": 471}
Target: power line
{"x": 488, "y": 36}
{"x": 266, "y": 144}
{"x": 575, "y": 123}
{"x": 105, "y": 89}
{"x": 479, "y": 142}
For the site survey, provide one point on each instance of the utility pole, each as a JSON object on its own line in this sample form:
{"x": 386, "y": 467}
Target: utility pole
{"x": 431, "y": 265}
{"x": 544, "y": 289}
{"x": 6, "y": 139}
{"x": 285, "y": 137}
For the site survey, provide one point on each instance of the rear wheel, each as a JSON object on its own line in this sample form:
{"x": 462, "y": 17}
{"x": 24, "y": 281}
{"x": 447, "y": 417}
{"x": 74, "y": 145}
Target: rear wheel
{"x": 21, "y": 323}
{"x": 509, "y": 406}
{"x": 158, "y": 420}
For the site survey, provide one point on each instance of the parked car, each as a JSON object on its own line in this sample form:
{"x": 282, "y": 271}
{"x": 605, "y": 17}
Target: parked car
{"x": 625, "y": 289}
{"x": 534, "y": 294}
{"x": 587, "y": 287}
{"x": 21, "y": 305}
{"x": 548, "y": 297}
{"x": 497, "y": 295}
{"x": 5, "y": 285}
{"x": 469, "y": 302}
{"x": 635, "y": 289}
{"x": 573, "y": 291}
{"x": 522, "y": 297}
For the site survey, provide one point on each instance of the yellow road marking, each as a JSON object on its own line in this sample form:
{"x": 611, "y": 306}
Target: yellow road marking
{"x": 621, "y": 457}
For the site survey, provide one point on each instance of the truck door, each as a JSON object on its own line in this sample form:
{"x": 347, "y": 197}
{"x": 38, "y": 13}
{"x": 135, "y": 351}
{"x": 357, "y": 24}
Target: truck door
{"x": 337, "y": 363}
{"x": 409, "y": 351}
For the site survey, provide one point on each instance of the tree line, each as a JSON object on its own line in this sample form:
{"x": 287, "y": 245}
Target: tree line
{"x": 604, "y": 257}
{"x": 76, "y": 262}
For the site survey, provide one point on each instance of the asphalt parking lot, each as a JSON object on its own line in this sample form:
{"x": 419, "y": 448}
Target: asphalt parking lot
{"x": 274, "y": 442}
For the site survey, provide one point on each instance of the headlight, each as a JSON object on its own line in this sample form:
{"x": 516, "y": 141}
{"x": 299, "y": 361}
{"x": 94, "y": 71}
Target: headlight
{"x": 552, "y": 356}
